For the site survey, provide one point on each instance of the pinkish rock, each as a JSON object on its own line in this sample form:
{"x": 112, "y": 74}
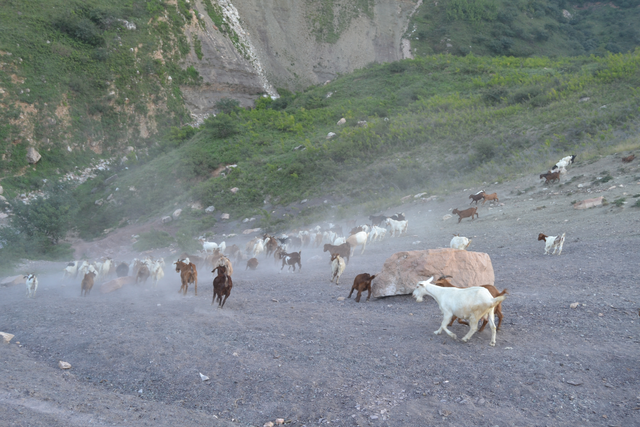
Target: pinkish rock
{"x": 589, "y": 203}
{"x": 403, "y": 270}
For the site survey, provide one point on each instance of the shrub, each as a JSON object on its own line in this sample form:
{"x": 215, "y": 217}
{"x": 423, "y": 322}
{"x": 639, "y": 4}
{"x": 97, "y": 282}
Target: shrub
{"x": 154, "y": 239}
{"x": 398, "y": 67}
{"x": 227, "y": 105}
{"x": 619, "y": 202}
{"x": 222, "y": 126}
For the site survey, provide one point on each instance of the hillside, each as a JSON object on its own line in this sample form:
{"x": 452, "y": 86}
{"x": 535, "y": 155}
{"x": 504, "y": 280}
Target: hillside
{"x": 441, "y": 122}
{"x": 522, "y": 28}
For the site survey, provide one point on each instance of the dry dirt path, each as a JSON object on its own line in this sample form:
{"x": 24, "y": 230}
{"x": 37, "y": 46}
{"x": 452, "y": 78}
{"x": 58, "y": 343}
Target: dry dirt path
{"x": 284, "y": 346}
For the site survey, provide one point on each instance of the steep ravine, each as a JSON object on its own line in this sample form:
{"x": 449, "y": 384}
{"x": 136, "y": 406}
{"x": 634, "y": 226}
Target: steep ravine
{"x": 288, "y": 46}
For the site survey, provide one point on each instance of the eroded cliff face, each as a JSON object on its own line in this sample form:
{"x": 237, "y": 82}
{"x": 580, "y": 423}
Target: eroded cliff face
{"x": 290, "y": 44}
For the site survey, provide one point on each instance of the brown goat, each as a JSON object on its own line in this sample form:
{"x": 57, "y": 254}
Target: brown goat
{"x": 362, "y": 283}
{"x": 271, "y": 246}
{"x": 443, "y": 282}
{"x": 143, "y": 274}
{"x": 466, "y": 213}
{"x": 629, "y": 158}
{"x": 477, "y": 197}
{"x": 490, "y": 197}
{"x": 188, "y": 274}
{"x": 550, "y": 176}
{"x": 377, "y": 219}
{"x": 291, "y": 260}
{"x": 222, "y": 285}
{"x": 355, "y": 230}
{"x": 87, "y": 283}
{"x": 252, "y": 264}
{"x": 344, "y": 250}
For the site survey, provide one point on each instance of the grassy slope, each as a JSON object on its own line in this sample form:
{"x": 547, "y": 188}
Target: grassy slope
{"x": 525, "y": 27}
{"x": 73, "y": 75}
{"x": 429, "y": 121}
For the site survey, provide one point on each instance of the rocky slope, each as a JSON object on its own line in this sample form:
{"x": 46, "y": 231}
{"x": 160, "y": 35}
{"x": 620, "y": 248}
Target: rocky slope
{"x": 289, "y": 45}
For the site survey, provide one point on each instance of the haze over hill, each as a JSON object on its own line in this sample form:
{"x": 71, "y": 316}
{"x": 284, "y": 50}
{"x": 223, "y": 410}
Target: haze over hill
{"x": 121, "y": 80}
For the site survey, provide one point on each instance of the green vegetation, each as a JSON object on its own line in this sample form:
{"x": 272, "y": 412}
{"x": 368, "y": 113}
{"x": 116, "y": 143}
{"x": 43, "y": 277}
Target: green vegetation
{"x": 87, "y": 75}
{"x": 328, "y": 19}
{"x": 620, "y": 202}
{"x": 525, "y": 28}
{"x": 153, "y": 239}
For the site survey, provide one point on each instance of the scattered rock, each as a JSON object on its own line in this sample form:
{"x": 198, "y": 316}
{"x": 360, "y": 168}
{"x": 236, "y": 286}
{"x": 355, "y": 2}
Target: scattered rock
{"x": 234, "y": 190}
{"x": 444, "y": 412}
{"x": 64, "y": 365}
{"x": 251, "y": 230}
{"x": 110, "y": 197}
{"x": 210, "y": 209}
{"x": 1, "y": 189}
{"x": 340, "y": 298}
{"x": 224, "y": 216}
{"x": 99, "y": 202}
{"x": 589, "y": 203}
{"x": 342, "y": 121}
{"x": 330, "y": 135}
{"x": 279, "y": 421}
{"x": 574, "y": 382}
{"x": 417, "y": 196}
{"x": 600, "y": 314}
{"x": 268, "y": 424}
{"x": 574, "y": 305}
{"x": 403, "y": 270}
{"x": 566, "y": 14}
{"x": 166, "y": 219}
{"x": 116, "y": 284}
{"x": 13, "y": 280}
{"x": 405, "y": 198}
{"x": 203, "y": 377}
{"x": 446, "y": 217}
{"x": 132, "y": 188}
{"x": 374, "y": 417}
{"x": 33, "y": 156}
{"x": 363, "y": 123}
{"x": 585, "y": 99}
{"x": 304, "y": 201}
{"x": 176, "y": 213}
{"x": 6, "y": 337}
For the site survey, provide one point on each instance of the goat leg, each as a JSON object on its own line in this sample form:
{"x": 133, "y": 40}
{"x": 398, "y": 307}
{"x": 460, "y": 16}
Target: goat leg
{"x": 350, "y": 293}
{"x": 473, "y": 327}
{"x": 443, "y": 327}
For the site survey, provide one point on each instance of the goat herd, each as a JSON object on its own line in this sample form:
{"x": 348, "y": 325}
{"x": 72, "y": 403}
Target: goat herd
{"x": 465, "y": 304}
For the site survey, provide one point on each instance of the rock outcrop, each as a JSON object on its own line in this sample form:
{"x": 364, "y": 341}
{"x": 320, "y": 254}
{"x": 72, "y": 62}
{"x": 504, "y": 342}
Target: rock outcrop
{"x": 589, "y": 203}
{"x": 33, "y": 156}
{"x": 403, "y": 270}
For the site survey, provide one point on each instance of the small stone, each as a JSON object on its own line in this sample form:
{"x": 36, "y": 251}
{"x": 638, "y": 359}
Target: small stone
{"x": 574, "y": 382}
{"x": 203, "y": 377}
{"x": 210, "y": 209}
{"x": 234, "y": 190}
{"x": 64, "y": 365}
{"x": 1, "y": 189}
{"x": 99, "y": 202}
{"x": 330, "y": 135}
{"x": 166, "y": 219}
{"x": 6, "y": 337}
{"x": 481, "y": 402}
{"x": 340, "y": 298}
{"x": 574, "y": 305}
{"x": 268, "y": 424}
{"x": 446, "y": 217}
{"x": 342, "y": 121}
{"x": 132, "y": 188}
{"x": 600, "y": 314}
{"x": 224, "y": 216}
{"x": 33, "y": 156}
{"x": 444, "y": 412}
{"x": 176, "y": 213}
{"x": 304, "y": 201}
{"x": 279, "y": 421}
{"x": 374, "y": 417}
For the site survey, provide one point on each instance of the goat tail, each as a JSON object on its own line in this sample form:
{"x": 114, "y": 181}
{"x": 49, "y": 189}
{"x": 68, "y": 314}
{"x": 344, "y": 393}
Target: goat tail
{"x": 497, "y": 300}
{"x": 504, "y": 292}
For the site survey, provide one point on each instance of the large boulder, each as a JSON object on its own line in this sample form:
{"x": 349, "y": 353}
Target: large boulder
{"x": 403, "y": 270}
{"x": 589, "y": 203}
{"x": 116, "y": 284}
{"x": 13, "y": 280}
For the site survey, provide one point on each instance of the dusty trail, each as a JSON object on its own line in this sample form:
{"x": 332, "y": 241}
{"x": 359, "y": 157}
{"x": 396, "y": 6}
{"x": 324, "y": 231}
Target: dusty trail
{"x": 285, "y": 347}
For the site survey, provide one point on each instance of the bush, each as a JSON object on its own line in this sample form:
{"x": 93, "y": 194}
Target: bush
{"x": 154, "y": 239}
{"x": 227, "y": 105}
{"x": 222, "y": 126}
{"x": 398, "y": 67}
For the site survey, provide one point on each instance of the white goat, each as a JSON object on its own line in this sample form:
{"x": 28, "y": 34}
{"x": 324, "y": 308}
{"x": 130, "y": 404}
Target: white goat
{"x": 554, "y": 242}
{"x": 32, "y": 285}
{"x": 360, "y": 238}
{"x": 339, "y": 240}
{"x": 563, "y": 163}
{"x": 71, "y": 270}
{"x": 258, "y": 248}
{"x": 397, "y": 228}
{"x": 337, "y": 267}
{"x": 460, "y": 242}
{"x": 377, "y": 233}
{"x": 470, "y": 304}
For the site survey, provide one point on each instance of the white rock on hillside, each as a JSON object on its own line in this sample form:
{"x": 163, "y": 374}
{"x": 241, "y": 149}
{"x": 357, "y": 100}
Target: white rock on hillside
{"x": 33, "y": 156}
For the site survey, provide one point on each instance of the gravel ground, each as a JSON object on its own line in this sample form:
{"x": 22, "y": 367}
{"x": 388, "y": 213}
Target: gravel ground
{"x": 285, "y": 346}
